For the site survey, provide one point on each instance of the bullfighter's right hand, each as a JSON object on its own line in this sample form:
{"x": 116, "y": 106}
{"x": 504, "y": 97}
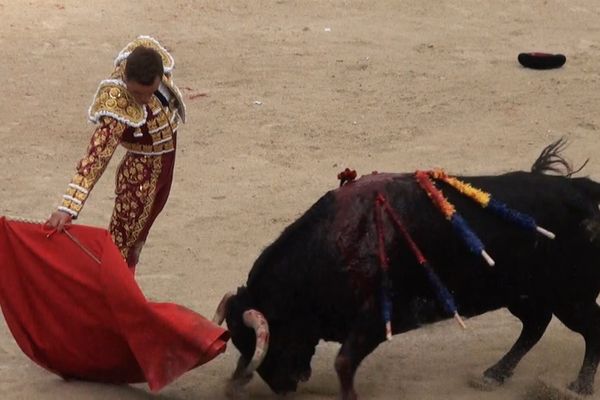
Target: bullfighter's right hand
{"x": 59, "y": 220}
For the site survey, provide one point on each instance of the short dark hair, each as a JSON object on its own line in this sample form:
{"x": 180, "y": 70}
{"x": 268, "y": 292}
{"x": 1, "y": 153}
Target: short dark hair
{"x": 144, "y": 65}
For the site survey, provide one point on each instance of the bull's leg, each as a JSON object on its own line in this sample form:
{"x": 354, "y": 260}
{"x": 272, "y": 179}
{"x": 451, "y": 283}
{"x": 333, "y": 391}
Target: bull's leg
{"x": 535, "y": 320}
{"x": 584, "y": 319}
{"x": 360, "y": 343}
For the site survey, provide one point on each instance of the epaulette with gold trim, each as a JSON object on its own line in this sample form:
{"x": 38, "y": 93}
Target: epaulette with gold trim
{"x": 147, "y": 41}
{"x": 113, "y": 100}
{"x": 168, "y": 82}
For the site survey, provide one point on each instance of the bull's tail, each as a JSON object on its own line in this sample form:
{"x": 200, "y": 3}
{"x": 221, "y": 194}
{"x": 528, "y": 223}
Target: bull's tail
{"x": 551, "y": 160}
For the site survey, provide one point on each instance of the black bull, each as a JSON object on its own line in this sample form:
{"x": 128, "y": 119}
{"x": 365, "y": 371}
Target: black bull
{"x": 321, "y": 278}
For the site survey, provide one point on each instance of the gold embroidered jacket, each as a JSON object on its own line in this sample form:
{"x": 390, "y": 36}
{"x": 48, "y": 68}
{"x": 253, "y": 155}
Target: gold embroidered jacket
{"x": 148, "y": 130}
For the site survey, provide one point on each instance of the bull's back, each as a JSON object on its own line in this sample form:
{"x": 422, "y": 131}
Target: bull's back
{"x": 527, "y": 264}
{"x": 326, "y": 265}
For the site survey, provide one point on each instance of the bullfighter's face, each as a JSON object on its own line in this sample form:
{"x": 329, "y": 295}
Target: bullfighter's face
{"x": 142, "y": 93}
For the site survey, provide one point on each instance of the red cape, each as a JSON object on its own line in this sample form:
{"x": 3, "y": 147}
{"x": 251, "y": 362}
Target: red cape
{"x": 87, "y": 320}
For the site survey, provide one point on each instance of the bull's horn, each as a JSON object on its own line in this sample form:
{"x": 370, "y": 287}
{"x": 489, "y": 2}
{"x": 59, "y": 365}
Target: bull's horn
{"x": 255, "y": 320}
{"x": 219, "y": 316}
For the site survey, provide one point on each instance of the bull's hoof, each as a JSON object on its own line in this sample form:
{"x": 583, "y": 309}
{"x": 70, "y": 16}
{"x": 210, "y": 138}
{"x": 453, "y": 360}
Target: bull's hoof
{"x": 550, "y": 389}
{"x": 484, "y": 383}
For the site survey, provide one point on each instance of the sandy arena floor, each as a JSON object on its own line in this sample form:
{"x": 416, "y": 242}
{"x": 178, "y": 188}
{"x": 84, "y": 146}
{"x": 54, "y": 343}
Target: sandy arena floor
{"x": 282, "y": 95}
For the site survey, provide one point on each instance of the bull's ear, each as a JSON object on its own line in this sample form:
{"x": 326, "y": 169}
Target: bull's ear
{"x": 237, "y": 304}
{"x": 243, "y": 299}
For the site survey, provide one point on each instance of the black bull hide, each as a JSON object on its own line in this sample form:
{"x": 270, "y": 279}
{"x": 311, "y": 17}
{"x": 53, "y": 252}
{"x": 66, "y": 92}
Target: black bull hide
{"x": 321, "y": 278}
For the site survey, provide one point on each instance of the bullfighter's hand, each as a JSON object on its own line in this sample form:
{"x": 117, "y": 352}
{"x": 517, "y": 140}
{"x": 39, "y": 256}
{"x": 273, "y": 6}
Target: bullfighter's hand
{"x": 59, "y": 220}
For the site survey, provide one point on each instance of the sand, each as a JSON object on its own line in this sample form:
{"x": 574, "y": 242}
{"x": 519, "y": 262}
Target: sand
{"x": 281, "y": 96}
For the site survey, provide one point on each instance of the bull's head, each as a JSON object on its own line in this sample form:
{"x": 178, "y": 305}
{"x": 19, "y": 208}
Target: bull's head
{"x": 280, "y": 359}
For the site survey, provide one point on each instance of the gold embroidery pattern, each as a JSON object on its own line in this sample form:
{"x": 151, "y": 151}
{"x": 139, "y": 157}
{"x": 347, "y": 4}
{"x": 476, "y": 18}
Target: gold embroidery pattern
{"x": 162, "y": 134}
{"x": 103, "y": 143}
{"x": 137, "y": 179}
{"x": 112, "y": 99}
{"x": 159, "y": 129}
{"x": 153, "y": 149}
{"x": 158, "y": 121}
{"x": 119, "y": 72}
{"x": 168, "y": 82}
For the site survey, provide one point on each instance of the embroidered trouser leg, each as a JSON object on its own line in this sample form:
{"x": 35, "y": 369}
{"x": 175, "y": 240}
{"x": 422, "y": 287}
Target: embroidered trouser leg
{"x": 142, "y": 187}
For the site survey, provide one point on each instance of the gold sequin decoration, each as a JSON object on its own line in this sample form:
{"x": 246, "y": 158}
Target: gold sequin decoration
{"x": 166, "y": 59}
{"x": 137, "y": 178}
{"x": 114, "y": 100}
{"x": 104, "y": 141}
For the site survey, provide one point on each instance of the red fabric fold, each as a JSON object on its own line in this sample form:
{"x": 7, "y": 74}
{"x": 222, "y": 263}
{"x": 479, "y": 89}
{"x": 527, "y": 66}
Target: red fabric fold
{"x": 90, "y": 321}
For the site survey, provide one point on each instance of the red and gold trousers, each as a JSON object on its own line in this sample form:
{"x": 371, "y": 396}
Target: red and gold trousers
{"x": 143, "y": 184}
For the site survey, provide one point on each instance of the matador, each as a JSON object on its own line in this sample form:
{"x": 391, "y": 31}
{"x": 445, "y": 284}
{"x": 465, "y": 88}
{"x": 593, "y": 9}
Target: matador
{"x": 147, "y": 129}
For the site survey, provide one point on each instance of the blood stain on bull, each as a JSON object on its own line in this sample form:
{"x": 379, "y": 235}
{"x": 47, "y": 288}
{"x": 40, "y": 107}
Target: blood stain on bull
{"x": 321, "y": 278}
